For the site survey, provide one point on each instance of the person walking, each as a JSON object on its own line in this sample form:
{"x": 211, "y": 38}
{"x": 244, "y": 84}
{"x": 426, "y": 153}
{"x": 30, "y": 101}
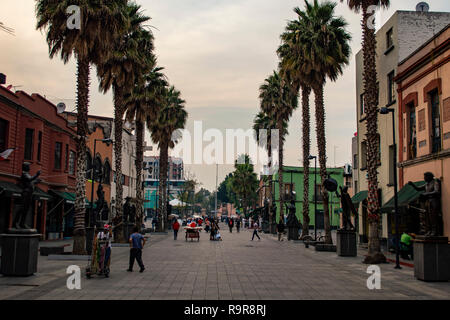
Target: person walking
{"x": 238, "y": 224}
{"x": 280, "y": 229}
{"x": 231, "y": 224}
{"x": 137, "y": 242}
{"x": 255, "y": 231}
{"x": 175, "y": 227}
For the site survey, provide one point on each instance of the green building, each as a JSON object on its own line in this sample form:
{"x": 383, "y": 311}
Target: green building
{"x": 293, "y": 181}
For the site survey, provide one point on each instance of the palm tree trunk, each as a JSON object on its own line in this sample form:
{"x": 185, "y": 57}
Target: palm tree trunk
{"x": 118, "y": 128}
{"x": 370, "y": 95}
{"x": 280, "y": 168}
{"x": 321, "y": 143}
{"x": 139, "y": 161}
{"x": 163, "y": 163}
{"x": 306, "y": 153}
{"x": 269, "y": 152}
{"x": 79, "y": 240}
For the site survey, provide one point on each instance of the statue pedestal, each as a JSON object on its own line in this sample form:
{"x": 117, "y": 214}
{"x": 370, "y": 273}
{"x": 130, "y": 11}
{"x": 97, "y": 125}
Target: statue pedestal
{"x": 128, "y": 230}
{"x": 273, "y": 228}
{"x": 431, "y": 258}
{"x": 346, "y": 243}
{"x": 19, "y": 254}
{"x": 292, "y": 233}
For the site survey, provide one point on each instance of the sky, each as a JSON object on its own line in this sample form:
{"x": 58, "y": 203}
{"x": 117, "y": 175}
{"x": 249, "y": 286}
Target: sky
{"x": 216, "y": 52}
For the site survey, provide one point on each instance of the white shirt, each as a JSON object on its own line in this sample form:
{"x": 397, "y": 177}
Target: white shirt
{"x": 102, "y": 235}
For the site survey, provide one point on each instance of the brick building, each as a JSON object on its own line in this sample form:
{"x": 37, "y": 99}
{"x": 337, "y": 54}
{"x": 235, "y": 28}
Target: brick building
{"x": 39, "y": 135}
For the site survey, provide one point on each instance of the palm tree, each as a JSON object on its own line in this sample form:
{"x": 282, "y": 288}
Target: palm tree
{"x": 128, "y": 58}
{"x": 325, "y": 49}
{"x": 244, "y": 181}
{"x": 279, "y": 99}
{"x": 293, "y": 64}
{"x": 144, "y": 101}
{"x": 370, "y": 99}
{"x": 100, "y": 23}
{"x": 171, "y": 117}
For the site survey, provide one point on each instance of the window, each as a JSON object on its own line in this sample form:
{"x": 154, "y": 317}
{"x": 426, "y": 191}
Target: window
{"x": 66, "y": 167}
{"x": 39, "y": 146}
{"x": 318, "y": 192}
{"x": 363, "y": 155}
{"x": 98, "y": 171}
{"x": 362, "y": 104}
{"x": 435, "y": 121}
{"x": 29, "y": 135}
{"x": 389, "y": 39}
{"x": 355, "y": 161}
{"x": 391, "y": 89}
{"x": 58, "y": 155}
{"x": 72, "y": 162}
{"x": 3, "y": 135}
{"x": 107, "y": 173}
{"x": 356, "y": 187}
{"x": 412, "y": 140}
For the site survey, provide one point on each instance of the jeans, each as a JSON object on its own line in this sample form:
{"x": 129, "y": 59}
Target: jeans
{"x": 136, "y": 253}
{"x": 175, "y": 233}
{"x": 255, "y": 233}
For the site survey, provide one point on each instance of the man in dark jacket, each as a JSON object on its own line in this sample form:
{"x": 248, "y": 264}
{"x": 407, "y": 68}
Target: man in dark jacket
{"x": 231, "y": 224}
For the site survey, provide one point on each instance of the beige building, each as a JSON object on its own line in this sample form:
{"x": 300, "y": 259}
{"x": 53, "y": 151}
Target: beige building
{"x": 401, "y": 35}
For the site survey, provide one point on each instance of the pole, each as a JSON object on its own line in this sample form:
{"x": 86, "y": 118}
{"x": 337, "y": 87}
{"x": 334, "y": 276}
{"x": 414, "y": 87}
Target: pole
{"x": 215, "y": 205}
{"x": 315, "y": 198}
{"x": 397, "y": 243}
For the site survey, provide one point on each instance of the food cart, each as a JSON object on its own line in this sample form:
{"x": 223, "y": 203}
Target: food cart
{"x": 192, "y": 233}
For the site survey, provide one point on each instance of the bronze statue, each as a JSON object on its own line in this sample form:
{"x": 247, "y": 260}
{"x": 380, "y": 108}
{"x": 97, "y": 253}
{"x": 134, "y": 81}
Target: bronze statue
{"x": 27, "y": 183}
{"x": 292, "y": 220}
{"x": 128, "y": 211}
{"x": 431, "y": 217}
{"x": 347, "y": 208}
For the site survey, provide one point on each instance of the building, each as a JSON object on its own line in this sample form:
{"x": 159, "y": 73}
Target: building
{"x": 423, "y": 81}
{"x": 175, "y": 181}
{"x": 32, "y": 126}
{"x": 293, "y": 181}
{"x": 402, "y": 34}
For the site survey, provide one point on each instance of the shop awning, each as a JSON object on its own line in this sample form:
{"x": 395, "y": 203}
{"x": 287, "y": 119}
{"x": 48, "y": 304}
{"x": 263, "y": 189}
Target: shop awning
{"x": 9, "y": 189}
{"x": 405, "y": 196}
{"x": 41, "y": 194}
{"x": 68, "y": 196}
{"x": 360, "y": 196}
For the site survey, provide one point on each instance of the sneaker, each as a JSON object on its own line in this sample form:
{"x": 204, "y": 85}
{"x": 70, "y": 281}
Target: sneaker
{"x": 142, "y": 270}
{"x": 130, "y": 270}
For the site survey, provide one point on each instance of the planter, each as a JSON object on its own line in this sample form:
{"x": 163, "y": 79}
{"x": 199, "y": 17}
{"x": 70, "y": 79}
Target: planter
{"x": 346, "y": 243}
{"x": 19, "y": 254}
{"x": 431, "y": 258}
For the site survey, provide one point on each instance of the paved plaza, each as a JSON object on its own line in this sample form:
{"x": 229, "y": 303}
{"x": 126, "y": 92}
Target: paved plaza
{"x": 235, "y": 268}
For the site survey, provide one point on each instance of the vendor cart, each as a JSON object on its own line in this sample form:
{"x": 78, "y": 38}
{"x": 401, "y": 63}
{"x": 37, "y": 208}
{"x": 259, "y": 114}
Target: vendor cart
{"x": 96, "y": 264}
{"x": 192, "y": 233}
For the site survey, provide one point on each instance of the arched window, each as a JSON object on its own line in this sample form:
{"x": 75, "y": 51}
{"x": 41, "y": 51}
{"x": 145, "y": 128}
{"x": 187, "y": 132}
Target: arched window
{"x": 98, "y": 169}
{"x": 106, "y": 172}
{"x": 88, "y": 165}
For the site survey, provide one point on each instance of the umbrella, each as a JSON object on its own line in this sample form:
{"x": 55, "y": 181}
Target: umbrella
{"x": 173, "y": 215}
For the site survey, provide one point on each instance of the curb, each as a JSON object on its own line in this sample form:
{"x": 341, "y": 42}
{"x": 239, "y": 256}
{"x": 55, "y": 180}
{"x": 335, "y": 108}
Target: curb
{"x": 68, "y": 257}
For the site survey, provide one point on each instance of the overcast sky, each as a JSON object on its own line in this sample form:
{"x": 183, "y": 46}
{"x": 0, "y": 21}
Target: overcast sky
{"x": 216, "y": 52}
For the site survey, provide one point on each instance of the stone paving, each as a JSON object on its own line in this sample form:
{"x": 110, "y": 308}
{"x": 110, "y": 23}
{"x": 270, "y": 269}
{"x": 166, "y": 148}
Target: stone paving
{"x": 235, "y": 268}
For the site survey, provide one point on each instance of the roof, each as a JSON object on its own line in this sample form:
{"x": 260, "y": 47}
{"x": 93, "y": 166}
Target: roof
{"x": 10, "y": 189}
{"x": 405, "y": 196}
{"x": 360, "y": 196}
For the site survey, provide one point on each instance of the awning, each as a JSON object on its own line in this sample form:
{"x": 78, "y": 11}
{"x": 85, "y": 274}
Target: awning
{"x": 9, "y": 189}
{"x": 41, "y": 194}
{"x": 405, "y": 196}
{"x": 360, "y": 197}
{"x": 68, "y": 196}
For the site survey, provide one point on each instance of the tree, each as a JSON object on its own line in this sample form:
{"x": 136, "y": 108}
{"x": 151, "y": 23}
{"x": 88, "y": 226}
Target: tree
{"x": 279, "y": 99}
{"x": 369, "y": 45}
{"x": 171, "y": 117}
{"x": 100, "y": 22}
{"x": 244, "y": 181}
{"x": 127, "y": 59}
{"x": 325, "y": 49}
{"x": 144, "y": 102}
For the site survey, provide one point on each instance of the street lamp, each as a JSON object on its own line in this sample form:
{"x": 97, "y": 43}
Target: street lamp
{"x": 315, "y": 195}
{"x": 385, "y": 110}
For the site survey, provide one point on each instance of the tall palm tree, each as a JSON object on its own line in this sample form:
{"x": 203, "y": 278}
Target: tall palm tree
{"x": 144, "y": 101}
{"x": 279, "y": 99}
{"x": 127, "y": 59}
{"x": 244, "y": 181}
{"x": 171, "y": 117}
{"x": 293, "y": 63}
{"x": 370, "y": 99}
{"x": 325, "y": 49}
{"x": 100, "y": 23}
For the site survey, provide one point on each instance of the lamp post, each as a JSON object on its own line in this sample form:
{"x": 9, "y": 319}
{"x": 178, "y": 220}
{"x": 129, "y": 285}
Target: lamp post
{"x": 315, "y": 195}
{"x": 397, "y": 236}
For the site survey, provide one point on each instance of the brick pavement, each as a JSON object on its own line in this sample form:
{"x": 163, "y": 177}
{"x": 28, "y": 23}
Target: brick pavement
{"x": 235, "y": 268}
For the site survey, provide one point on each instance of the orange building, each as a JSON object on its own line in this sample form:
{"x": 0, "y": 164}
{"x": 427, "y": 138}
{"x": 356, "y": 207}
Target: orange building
{"x": 424, "y": 119}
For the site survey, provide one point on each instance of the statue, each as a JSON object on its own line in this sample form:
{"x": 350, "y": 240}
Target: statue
{"x": 104, "y": 213}
{"x": 27, "y": 183}
{"x": 127, "y": 210}
{"x": 100, "y": 203}
{"x": 347, "y": 208}
{"x": 431, "y": 217}
{"x": 292, "y": 220}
